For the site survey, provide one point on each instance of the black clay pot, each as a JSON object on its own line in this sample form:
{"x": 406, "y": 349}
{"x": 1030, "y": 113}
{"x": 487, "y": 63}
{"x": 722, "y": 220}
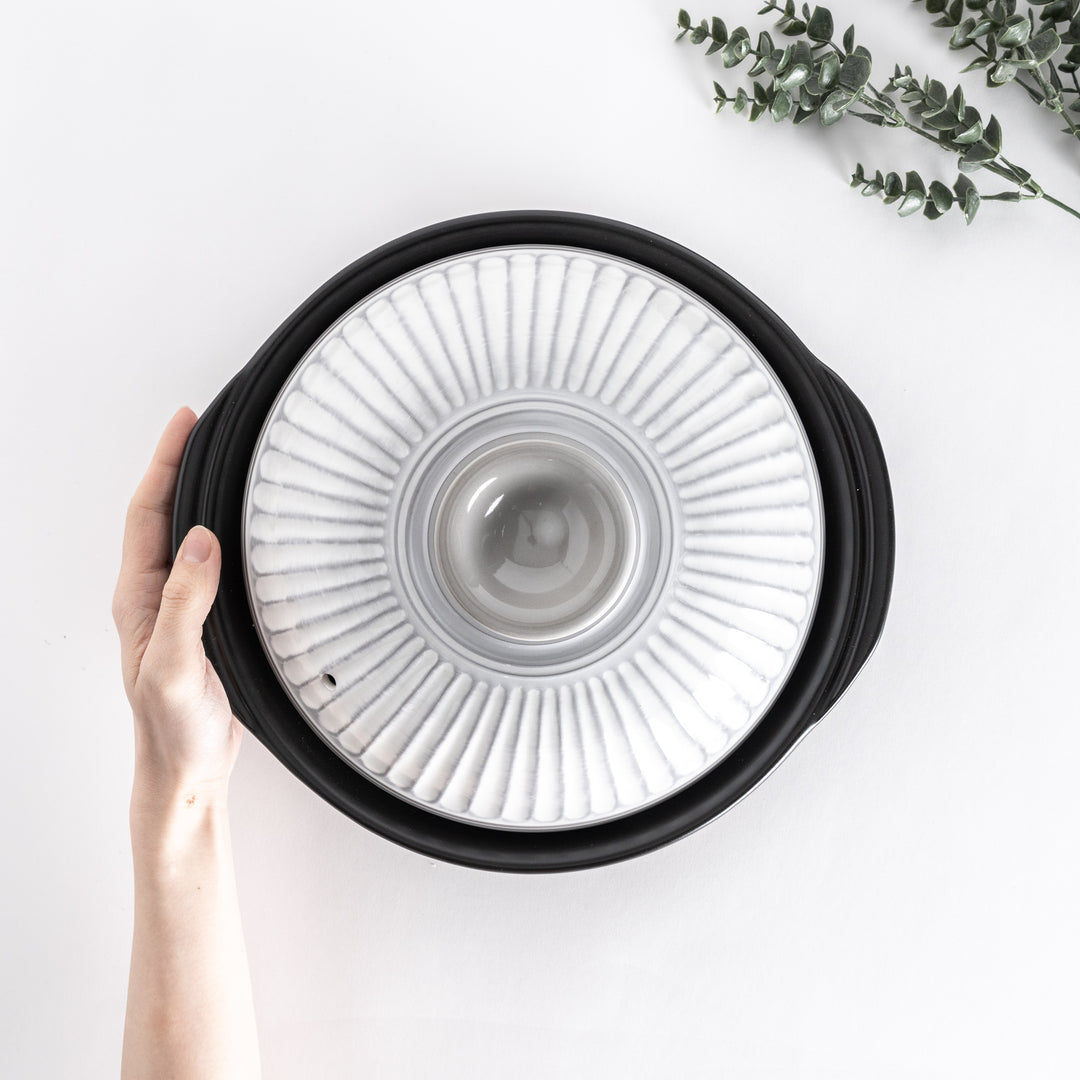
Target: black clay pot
{"x": 543, "y": 540}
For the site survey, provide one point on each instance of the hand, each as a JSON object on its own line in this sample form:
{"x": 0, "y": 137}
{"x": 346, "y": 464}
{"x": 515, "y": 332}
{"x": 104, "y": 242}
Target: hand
{"x": 186, "y": 738}
{"x": 189, "y": 1010}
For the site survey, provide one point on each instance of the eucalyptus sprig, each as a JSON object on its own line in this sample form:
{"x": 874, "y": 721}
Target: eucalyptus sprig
{"x": 1012, "y": 48}
{"x": 812, "y": 75}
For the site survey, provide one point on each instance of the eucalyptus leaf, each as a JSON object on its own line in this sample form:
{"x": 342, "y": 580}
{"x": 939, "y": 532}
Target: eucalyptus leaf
{"x": 978, "y": 154}
{"x": 937, "y": 95}
{"x": 1043, "y": 45}
{"x": 943, "y": 121}
{"x": 829, "y": 70}
{"x": 834, "y": 106}
{"x": 820, "y": 26}
{"x": 957, "y": 103}
{"x": 912, "y": 203}
{"x": 849, "y": 39}
{"x": 962, "y": 186}
{"x": 1002, "y": 72}
{"x": 854, "y": 72}
{"x": 941, "y": 196}
{"x": 971, "y": 204}
{"x": 969, "y": 135}
{"x": 961, "y": 36}
{"x": 781, "y": 105}
{"x": 1017, "y": 31}
{"x": 794, "y": 77}
{"x": 735, "y": 51}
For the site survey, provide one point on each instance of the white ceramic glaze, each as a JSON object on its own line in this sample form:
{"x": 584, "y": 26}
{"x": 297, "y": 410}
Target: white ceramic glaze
{"x": 709, "y": 610}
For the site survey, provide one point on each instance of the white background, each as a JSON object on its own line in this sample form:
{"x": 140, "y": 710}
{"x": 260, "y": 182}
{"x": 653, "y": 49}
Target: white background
{"x": 899, "y": 899}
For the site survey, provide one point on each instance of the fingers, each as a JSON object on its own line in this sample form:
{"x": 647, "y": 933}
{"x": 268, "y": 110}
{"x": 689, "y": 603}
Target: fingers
{"x": 146, "y": 535}
{"x": 147, "y": 540}
{"x": 176, "y": 642}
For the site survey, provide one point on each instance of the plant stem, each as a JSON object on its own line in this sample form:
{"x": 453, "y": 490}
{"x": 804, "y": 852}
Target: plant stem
{"x": 1053, "y": 100}
{"x": 1032, "y": 92}
{"x": 1061, "y": 205}
{"x": 990, "y": 166}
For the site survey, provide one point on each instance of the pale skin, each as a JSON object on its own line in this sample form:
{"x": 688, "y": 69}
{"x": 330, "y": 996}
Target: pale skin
{"x": 189, "y": 1010}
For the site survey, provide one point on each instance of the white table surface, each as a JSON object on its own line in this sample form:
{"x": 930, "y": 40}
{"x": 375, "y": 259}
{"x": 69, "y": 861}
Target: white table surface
{"x": 899, "y": 899}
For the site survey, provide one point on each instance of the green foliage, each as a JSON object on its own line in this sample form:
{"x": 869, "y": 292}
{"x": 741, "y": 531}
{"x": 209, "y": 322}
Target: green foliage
{"x": 913, "y": 194}
{"x": 1032, "y": 51}
{"x": 808, "y": 77}
{"x": 820, "y": 26}
{"x": 811, "y": 75}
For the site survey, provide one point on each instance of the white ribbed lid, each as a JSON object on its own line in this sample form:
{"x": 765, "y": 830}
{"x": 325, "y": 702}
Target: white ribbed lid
{"x": 533, "y": 537}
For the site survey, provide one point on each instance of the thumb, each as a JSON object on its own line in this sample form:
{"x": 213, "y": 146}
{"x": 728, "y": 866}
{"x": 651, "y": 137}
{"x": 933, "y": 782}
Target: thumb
{"x": 187, "y": 597}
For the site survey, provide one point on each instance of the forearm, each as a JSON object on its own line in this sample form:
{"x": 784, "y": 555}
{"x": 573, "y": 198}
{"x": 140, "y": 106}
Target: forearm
{"x": 190, "y": 1010}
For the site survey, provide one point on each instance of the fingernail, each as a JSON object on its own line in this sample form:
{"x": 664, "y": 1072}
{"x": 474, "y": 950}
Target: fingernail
{"x": 196, "y": 547}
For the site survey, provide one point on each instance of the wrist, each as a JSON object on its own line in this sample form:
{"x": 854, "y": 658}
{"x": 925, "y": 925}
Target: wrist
{"x": 161, "y": 784}
{"x": 183, "y": 756}
{"x": 169, "y": 819}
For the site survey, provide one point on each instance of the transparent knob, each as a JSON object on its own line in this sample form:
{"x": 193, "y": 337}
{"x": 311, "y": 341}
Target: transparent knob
{"x": 534, "y": 539}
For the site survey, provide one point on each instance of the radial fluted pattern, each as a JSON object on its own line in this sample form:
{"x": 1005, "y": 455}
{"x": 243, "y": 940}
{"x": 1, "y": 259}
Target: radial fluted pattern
{"x": 698, "y": 405}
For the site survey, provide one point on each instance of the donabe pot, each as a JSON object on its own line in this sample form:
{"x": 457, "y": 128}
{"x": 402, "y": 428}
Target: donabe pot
{"x": 543, "y": 540}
